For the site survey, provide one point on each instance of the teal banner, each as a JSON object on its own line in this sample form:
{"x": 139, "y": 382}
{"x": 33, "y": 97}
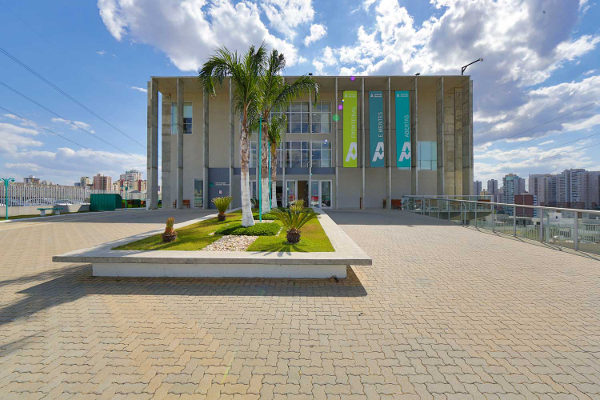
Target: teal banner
{"x": 376, "y": 125}
{"x": 402, "y": 129}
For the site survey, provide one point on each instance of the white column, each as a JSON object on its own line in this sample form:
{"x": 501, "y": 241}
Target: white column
{"x": 179, "y": 143}
{"x": 415, "y": 155}
{"x": 152, "y": 147}
{"x": 362, "y": 121}
{"x": 335, "y": 137}
{"x": 206, "y": 145}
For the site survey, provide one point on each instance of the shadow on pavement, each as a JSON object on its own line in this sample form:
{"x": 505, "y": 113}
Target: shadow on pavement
{"x": 72, "y": 283}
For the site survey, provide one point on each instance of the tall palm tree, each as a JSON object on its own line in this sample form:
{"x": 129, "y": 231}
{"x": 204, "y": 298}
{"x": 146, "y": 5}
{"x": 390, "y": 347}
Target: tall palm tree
{"x": 276, "y": 94}
{"x": 277, "y": 126}
{"x": 245, "y": 72}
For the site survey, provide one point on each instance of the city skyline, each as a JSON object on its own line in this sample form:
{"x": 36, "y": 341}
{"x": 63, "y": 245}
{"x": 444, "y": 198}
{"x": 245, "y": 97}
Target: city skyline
{"x": 521, "y": 121}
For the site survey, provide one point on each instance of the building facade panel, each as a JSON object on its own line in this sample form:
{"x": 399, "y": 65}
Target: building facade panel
{"x": 312, "y": 152}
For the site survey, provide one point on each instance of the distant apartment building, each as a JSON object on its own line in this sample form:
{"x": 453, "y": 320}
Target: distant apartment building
{"x": 492, "y": 186}
{"x": 572, "y": 188}
{"x": 31, "y": 180}
{"x": 526, "y": 199}
{"x": 85, "y": 181}
{"x": 512, "y": 185}
{"x": 477, "y": 187}
{"x": 102, "y": 182}
{"x": 543, "y": 187}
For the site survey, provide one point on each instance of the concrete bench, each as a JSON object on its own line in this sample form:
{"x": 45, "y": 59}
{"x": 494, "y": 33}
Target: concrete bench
{"x": 43, "y": 210}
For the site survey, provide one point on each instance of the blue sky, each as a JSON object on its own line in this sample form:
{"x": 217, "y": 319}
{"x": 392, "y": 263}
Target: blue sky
{"x": 537, "y": 93}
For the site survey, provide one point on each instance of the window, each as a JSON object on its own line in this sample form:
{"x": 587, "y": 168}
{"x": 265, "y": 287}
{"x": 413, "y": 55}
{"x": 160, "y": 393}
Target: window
{"x": 321, "y": 118}
{"x": 321, "y": 153}
{"x": 297, "y": 154}
{"x": 187, "y": 118}
{"x": 298, "y": 117}
{"x": 427, "y": 155}
{"x": 253, "y": 153}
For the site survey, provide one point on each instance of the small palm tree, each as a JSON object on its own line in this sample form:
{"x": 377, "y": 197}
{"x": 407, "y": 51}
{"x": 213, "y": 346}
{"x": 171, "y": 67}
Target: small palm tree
{"x": 294, "y": 218}
{"x": 245, "y": 72}
{"x": 276, "y": 94}
{"x": 222, "y": 204}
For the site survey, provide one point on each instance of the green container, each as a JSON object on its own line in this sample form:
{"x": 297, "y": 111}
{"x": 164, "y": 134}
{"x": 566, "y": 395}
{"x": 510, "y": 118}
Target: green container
{"x": 105, "y": 201}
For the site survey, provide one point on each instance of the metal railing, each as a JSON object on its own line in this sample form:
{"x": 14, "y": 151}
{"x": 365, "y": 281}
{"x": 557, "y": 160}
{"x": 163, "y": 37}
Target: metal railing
{"x": 39, "y": 195}
{"x": 563, "y": 227}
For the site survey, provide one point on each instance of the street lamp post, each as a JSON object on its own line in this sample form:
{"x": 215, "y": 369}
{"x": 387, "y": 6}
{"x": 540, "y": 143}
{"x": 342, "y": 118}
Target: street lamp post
{"x": 7, "y": 182}
{"x": 464, "y": 67}
{"x": 259, "y": 166}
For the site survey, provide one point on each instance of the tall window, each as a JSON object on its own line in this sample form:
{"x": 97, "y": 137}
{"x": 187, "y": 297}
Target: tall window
{"x": 253, "y": 152}
{"x": 427, "y": 155}
{"x": 321, "y": 118}
{"x": 297, "y": 154}
{"x": 298, "y": 117}
{"x": 321, "y": 153}
{"x": 187, "y": 118}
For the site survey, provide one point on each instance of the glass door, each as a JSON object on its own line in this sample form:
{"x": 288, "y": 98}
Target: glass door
{"x": 325, "y": 196}
{"x": 290, "y": 191}
{"x": 198, "y": 193}
{"x": 315, "y": 194}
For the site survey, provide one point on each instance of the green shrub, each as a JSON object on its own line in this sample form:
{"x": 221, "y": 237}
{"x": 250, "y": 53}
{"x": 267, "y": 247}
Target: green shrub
{"x": 260, "y": 229}
{"x": 293, "y": 219}
{"x": 266, "y": 216}
{"x": 222, "y": 203}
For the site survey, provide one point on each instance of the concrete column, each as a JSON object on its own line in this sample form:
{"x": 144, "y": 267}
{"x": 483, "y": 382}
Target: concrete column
{"x": 388, "y": 150}
{"x": 414, "y": 156}
{"x": 439, "y": 108}
{"x": 206, "y": 135}
{"x": 467, "y": 138}
{"x": 167, "y": 137}
{"x": 179, "y": 120}
{"x": 152, "y": 147}
{"x": 362, "y": 145}
{"x": 458, "y": 141}
{"x": 335, "y": 137}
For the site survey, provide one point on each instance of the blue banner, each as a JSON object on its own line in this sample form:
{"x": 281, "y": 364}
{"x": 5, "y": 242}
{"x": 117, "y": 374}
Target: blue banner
{"x": 402, "y": 129}
{"x": 376, "y": 125}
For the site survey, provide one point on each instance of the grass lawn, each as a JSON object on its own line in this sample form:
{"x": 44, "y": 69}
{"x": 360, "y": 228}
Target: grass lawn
{"x": 198, "y": 236}
{"x": 313, "y": 239}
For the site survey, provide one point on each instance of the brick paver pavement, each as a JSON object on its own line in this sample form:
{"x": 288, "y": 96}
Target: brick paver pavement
{"x": 444, "y": 312}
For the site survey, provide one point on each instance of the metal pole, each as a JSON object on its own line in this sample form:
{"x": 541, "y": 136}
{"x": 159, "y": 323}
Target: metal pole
{"x": 476, "y": 215}
{"x": 576, "y": 231}
{"x": 7, "y": 182}
{"x": 493, "y": 218}
{"x": 259, "y": 166}
{"x": 541, "y": 224}
{"x": 514, "y": 220}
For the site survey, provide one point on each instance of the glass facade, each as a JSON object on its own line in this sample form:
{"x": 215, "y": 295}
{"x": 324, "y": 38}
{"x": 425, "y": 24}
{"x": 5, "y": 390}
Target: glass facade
{"x": 297, "y": 154}
{"x": 187, "y": 118}
{"x": 321, "y": 117}
{"x": 427, "y": 155}
{"x": 298, "y": 117}
{"x": 321, "y": 153}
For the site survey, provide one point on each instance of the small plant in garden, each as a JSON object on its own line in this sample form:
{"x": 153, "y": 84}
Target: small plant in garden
{"x": 294, "y": 218}
{"x": 169, "y": 234}
{"x": 222, "y": 204}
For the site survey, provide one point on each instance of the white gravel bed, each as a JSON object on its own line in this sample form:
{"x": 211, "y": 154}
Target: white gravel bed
{"x": 231, "y": 243}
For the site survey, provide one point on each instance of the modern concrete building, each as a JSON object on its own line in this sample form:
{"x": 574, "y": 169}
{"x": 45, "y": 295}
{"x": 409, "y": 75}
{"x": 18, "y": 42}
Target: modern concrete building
{"x": 477, "y": 187}
{"x": 402, "y": 135}
{"x": 102, "y": 182}
{"x": 512, "y": 185}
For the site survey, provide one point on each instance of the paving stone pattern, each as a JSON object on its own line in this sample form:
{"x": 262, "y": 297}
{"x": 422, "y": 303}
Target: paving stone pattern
{"x": 444, "y": 312}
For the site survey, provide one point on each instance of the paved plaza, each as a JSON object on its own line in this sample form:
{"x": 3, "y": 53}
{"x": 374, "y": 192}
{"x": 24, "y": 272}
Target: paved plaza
{"x": 444, "y": 312}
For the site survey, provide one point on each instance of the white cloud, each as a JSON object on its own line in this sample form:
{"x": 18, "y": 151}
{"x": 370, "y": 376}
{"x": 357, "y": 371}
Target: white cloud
{"x": 101, "y": 52}
{"x": 286, "y": 15}
{"x": 139, "y": 89}
{"x": 189, "y": 31}
{"x": 523, "y": 44}
{"x": 317, "y": 31}
{"x": 74, "y": 125}
{"x": 14, "y": 137}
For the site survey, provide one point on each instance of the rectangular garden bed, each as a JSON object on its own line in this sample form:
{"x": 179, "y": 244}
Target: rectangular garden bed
{"x": 145, "y": 256}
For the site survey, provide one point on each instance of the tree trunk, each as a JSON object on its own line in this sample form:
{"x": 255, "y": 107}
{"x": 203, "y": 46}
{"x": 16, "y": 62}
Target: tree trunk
{"x": 247, "y": 219}
{"x": 264, "y": 173}
{"x": 273, "y": 175}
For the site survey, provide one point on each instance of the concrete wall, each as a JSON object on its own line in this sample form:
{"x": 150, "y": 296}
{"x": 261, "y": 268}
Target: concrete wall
{"x": 440, "y": 111}
{"x": 15, "y": 211}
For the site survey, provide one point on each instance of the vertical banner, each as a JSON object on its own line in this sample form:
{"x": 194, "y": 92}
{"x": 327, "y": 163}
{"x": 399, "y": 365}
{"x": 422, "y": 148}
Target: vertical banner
{"x": 402, "y": 129}
{"x": 350, "y": 128}
{"x": 376, "y": 128}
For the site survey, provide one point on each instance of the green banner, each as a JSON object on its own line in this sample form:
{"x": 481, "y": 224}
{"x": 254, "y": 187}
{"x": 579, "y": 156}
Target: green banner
{"x": 402, "y": 129}
{"x": 376, "y": 128}
{"x": 350, "y": 128}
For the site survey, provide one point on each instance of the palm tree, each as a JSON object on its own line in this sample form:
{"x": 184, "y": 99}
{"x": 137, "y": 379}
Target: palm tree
{"x": 276, "y": 94}
{"x": 245, "y": 72}
{"x": 277, "y": 125}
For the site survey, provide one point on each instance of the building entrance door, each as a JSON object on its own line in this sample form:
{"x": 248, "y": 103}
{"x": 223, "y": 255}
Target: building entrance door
{"x": 303, "y": 192}
{"x": 198, "y": 193}
{"x": 320, "y": 194}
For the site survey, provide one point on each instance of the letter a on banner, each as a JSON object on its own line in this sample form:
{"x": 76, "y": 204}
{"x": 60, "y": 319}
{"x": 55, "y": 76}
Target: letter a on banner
{"x": 350, "y": 129}
{"x": 376, "y": 126}
{"x": 402, "y": 129}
